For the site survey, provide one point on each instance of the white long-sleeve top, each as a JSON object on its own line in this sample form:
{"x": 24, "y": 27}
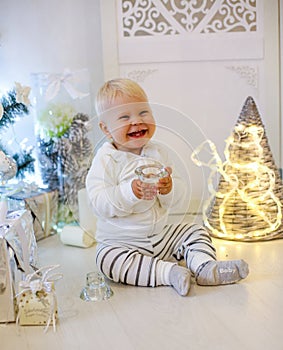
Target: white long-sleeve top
{"x": 121, "y": 216}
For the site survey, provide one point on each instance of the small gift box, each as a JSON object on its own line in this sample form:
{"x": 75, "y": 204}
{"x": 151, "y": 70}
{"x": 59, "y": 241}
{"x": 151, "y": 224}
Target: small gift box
{"x": 37, "y": 300}
{"x": 43, "y": 205}
{"x": 18, "y": 253}
{"x": 8, "y": 307}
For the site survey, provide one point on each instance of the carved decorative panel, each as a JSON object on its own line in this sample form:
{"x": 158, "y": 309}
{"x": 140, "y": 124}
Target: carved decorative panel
{"x": 173, "y": 17}
{"x": 189, "y": 30}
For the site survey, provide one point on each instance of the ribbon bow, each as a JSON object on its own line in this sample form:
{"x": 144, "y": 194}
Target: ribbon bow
{"x": 65, "y": 79}
{"x": 36, "y": 286}
{"x": 22, "y": 94}
{"x": 43, "y": 283}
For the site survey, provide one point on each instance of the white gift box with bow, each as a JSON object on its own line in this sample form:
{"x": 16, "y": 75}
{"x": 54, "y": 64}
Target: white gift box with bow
{"x": 37, "y": 299}
{"x": 18, "y": 252}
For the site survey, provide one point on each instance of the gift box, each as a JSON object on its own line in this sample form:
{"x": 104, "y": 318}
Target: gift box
{"x": 8, "y": 307}
{"x": 37, "y": 300}
{"x": 43, "y": 205}
{"x": 18, "y": 255}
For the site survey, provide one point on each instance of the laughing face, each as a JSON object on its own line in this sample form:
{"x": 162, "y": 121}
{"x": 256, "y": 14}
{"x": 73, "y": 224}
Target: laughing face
{"x": 129, "y": 124}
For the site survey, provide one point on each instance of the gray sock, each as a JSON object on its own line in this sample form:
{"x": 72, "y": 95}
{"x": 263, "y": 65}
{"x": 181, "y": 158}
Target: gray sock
{"x": 214, "y": 273}
{"x": 180, "y": 279}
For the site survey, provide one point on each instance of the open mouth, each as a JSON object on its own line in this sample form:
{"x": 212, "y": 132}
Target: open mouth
{"x": 137, "y": 134}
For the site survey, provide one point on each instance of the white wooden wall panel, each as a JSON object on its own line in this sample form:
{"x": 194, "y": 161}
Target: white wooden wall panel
{"x": 174, "y": 30}
{"x": 198, "y": 76}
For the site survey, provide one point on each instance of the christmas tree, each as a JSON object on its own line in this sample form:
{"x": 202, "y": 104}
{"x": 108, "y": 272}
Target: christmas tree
{"x": 14, "y": 105}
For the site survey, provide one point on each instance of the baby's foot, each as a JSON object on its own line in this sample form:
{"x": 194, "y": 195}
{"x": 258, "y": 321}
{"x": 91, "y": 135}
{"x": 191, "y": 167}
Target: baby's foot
{"x": 214, "y": 273}
{"x": 180, "y": 279}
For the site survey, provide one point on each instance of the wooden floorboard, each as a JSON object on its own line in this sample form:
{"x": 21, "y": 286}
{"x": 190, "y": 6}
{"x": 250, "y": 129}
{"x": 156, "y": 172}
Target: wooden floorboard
{"x": 246, "y": 316}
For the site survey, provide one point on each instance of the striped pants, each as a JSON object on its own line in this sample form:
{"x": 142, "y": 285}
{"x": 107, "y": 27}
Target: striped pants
{"x": 145, "y": 267}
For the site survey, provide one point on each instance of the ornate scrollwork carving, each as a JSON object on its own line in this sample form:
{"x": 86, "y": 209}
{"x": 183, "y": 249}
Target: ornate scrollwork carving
{"x": 248, "y": 73}
{"x": 173, "y": 17}
{"x": 140, "y": 75}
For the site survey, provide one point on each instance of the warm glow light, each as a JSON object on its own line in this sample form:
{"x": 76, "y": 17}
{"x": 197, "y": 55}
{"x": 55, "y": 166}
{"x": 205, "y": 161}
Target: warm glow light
{"x": 248, "y": 182}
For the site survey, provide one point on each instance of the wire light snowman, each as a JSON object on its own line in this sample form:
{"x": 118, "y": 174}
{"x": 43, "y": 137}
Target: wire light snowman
{"x": 247, "y": 204}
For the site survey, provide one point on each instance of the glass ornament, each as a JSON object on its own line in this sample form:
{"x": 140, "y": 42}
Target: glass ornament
{"x": 96, "y": 288}
{"x": 149, "y": 175}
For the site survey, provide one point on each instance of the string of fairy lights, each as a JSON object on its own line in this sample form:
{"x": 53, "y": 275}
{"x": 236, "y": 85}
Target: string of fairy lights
{"x": 248, "y": 179}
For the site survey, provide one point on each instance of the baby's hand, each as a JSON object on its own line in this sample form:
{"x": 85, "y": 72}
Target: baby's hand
{"x": 164, "y": 185}
{"x": 143, "y": 190}
{"x": 136, "y": 187}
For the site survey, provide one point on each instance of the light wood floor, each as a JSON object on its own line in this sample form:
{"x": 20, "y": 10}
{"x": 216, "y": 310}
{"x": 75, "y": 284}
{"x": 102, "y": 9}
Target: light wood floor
{"x": 245, "y": 316}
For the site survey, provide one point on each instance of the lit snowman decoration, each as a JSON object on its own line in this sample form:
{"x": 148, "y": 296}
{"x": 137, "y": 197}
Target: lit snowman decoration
{"x": 8, "y": 167}
{"x": 247, "y": 180}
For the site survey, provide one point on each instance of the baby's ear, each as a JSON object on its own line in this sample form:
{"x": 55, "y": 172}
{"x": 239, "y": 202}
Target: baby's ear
{"x": 104, "y": 128}
{"x": 169, "y": 170}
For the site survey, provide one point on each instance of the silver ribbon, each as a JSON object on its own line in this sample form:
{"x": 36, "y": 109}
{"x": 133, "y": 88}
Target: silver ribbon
{"x": 3, "y": 210}
{"x": 3, "y": 263}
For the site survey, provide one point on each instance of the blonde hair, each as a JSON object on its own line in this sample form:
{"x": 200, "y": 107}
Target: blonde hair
{"x": 115, "y": 88}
